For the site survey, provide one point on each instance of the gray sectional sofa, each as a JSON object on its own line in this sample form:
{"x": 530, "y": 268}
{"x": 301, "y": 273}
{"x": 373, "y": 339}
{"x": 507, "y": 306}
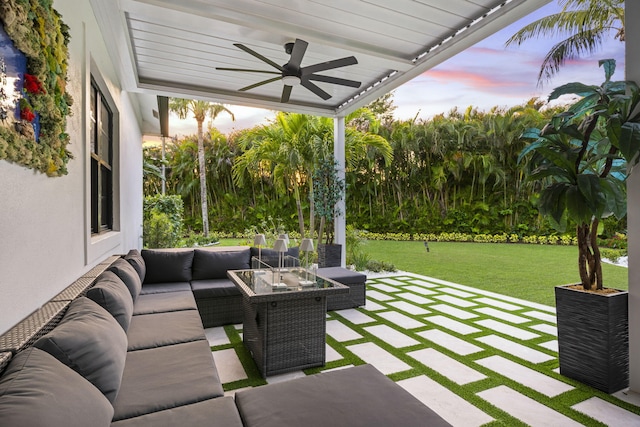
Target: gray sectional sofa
{"x": 127, "y": 348}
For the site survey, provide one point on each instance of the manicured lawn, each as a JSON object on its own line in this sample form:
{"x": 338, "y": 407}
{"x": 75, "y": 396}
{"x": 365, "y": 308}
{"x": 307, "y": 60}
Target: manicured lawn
{"x": 524, "y": 271}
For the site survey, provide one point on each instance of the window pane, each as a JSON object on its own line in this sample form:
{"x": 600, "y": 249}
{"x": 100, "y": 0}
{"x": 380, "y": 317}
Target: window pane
{"x": 104, "y": 133}
{"x": 95, "y": 226}
{"x": 92, "y": 121}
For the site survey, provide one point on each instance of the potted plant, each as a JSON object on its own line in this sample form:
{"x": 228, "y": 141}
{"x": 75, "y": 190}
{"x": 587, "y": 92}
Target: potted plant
{"x": 327, "y": 191}
{"x": 581, "y": 159}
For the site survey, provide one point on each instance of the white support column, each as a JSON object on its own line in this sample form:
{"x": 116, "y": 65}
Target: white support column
{"x": 632, "y": 72}
{"x": 340, "y": 222}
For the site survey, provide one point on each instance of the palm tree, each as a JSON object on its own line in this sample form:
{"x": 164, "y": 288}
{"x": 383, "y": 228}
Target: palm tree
{"x": 586, "y": 23}
{"x": 200, "y": 110}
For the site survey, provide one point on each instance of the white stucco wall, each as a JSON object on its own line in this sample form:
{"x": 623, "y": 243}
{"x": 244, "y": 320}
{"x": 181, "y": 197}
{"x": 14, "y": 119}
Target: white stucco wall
{"x": 45, "y": 241}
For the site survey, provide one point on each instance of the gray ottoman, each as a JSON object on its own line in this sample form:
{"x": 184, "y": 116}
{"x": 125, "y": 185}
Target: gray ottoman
{"x": 354, "y": 280}
{"x": 353, "y": 397}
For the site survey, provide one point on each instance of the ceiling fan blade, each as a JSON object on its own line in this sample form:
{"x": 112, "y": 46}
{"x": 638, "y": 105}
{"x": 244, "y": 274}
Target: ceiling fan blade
{"x": 334, "y": 80}
{"x": 257, "y": 55}
{"x": 299, "y": 48}
{"x": 247, "y": 71}
{"x": 260, "y": 84}
{"x": 286, "y": 93}
{"x": 329, "y": 65}
{"x": 315, "y": 89}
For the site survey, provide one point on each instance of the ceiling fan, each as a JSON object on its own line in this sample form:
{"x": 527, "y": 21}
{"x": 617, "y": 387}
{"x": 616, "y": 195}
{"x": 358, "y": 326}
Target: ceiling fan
{"x": 292, "y": 74}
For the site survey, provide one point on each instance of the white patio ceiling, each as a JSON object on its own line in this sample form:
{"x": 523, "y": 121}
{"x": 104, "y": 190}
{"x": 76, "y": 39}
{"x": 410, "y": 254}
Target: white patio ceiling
{"x": 172, "y": 48}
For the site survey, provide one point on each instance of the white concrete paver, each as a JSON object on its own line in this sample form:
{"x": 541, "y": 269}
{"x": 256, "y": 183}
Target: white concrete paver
{"x": 515, "y": 349}
{"x": 607, "y": 413}
{"x": 216, "y": 336}
{"x": 498, "y": 314}
{"x": 379, "y": 295}
{"x": 505, "y": 329}
{"x": 401, "y": 320}
{"x": 415, "y": 298}
{"x": 373, "y": 306}
{"x": 547, "y": 329}
{"x": 285, "y": 377}
{"x": 229, "y": 367}
{"x": 409, "y": 308}
{"x": 457, "y": 372}
{"x": 455, "y": 344}
{"x": 450, "y": 299}
{"x": 424, "y": 283}
{"x": 341, "y": 332}
{"x": 454, "y": 409}
{"x": 525, "y": 376}
{"x": 541, "y": 316}
{"x": 525, "y": 409}
{"x": 381, "y": 359}
{"x": 385, "y": 288}
{"x": 420, "y": 290}
{"x": 550, "y": 345}
{"x": 457, "y": 292}
{"x": 453, "y": 325}
{"x": 331, "y": 355}
{"x": 392, "y": 282}
{"x": 354, "y": 316}
{"x": 391, "y": 336}
{"x": 497, "y": 303}
{"x": 453, "y": 311}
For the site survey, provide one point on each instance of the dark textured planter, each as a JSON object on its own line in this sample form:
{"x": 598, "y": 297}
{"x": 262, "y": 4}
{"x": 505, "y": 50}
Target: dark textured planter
{"x": 593, "y": 338}
{"x": 329, "y": 255}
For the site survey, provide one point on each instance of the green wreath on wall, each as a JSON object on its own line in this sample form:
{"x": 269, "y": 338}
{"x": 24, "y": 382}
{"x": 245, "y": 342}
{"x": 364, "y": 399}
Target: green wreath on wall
{"x": 37, "y": 30}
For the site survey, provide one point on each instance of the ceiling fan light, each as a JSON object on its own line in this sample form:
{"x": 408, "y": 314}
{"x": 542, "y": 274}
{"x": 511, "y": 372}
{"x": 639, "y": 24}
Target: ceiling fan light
{"x": 291, "y": 80}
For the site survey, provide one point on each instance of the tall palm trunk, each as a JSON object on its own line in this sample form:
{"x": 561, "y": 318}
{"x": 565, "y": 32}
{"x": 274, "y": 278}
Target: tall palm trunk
{"x": 203, "y": 181}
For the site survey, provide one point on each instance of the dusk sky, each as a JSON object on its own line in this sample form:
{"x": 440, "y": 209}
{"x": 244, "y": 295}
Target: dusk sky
{"x": 485, "y": 75}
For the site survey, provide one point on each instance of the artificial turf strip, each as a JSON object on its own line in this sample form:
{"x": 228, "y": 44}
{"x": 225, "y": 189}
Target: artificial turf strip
{"x": 561, "y": 403}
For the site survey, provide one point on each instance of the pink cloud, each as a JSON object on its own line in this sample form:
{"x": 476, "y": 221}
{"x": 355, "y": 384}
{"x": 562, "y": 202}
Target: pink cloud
{"x": 474, "y": 80}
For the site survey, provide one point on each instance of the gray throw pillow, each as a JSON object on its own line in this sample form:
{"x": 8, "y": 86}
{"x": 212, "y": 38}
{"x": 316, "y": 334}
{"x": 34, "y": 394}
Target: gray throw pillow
{"x": 128, "y": 275}
{"x": 114, "y": 296}
{"x": 91, "y": 342}
{"x": 36, "y": 390}
{"x": 167, "y": 266}
{"x": 214, "y": 264}
{"x": 134, "y": 258}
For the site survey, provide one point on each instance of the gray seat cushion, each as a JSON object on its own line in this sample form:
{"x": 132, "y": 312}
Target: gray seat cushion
{"x": 90, "y": 341}
{"x": 167, "y": 377}
{"x": 208, "y": 264}
{"x": 36, "y": 390}
{"x": 213, "y": 288}
{"x": 167, "y": 265}
{"x": 164, "y": 302}
{"x": 219, "y": 412}
{"x": 128, "y": 275}
{"x": 134, "y": 258}
{"x": 342, "y": 275}
{"x": 354, "y": 397}
{"x": 159, "y": 288}
{"x": 114, "y": 296}
{"x": 160, "y": 329}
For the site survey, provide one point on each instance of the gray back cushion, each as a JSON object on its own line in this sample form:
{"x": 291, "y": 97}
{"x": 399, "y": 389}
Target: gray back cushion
{"x": 91, "y": 342}
{"x": 167, "y": 266}
{"x": 137, "y": 262}
{"x": 114, "y": 296}
{"x": 128, "y": 275}
{"x": 214, "y": 264}
{"x": 36, "y": 390}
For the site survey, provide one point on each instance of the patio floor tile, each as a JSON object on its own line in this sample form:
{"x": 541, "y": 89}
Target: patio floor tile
{"x": 415, "y": 298}
{"x": 331, "y": 354}
{"x": 449, "y": 299}
{"x": 455, "y": 312}
{"x": 420, "y": 290}
{"x": 541, "y": 316}
{"x": 378, "y": 295}
{"x": 216, "y": 336}
{"x": 457, "y": 292}
{"x": 409, "y": 308}
{"x": 505, "y": 329}
{"x": 550, "y": 345}
{"x": 450, "y": 342}
{"x": 498, "y": 314}
{"x": 401, "y": 320}
{"x": 386, "y": 288}
{"x": 515, "y": 349}
{"x": 373, "y": 306}
{"x": 547, "y": 329}
{"x": 453, "y": 325}
{"x": 454, "y": 409}
{"x": 525, "y": 409}
{"x": 341, "y": 332}
{"x": 392, "y": 282}
{"x": 285, "y": 377}
{"x": 525, "y": 376}
{"x": 497, "y": 303}
{"x": 607, "y": 413}
{"x": 391, "y": 336}
{"x": 354, "y": 316}
{"x": 457, "y": 372}
{"x": 229, "y": 367}
{"x": 382, "y": 360}
{"x": 424, "y": 283}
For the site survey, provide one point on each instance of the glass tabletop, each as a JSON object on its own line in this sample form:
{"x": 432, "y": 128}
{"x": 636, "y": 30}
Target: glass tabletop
{"x": 268, "y": 281}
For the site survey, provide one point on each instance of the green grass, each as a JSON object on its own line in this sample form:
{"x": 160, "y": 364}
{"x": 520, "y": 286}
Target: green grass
{"x": 522, "y": 271}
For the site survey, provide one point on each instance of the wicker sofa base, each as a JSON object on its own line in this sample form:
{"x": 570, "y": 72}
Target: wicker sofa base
{"x": 220, "y": 310}
{"x": 354, "y": 280}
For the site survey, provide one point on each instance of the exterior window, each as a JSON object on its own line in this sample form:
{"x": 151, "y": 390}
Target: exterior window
{"x": 101, "y": 129}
